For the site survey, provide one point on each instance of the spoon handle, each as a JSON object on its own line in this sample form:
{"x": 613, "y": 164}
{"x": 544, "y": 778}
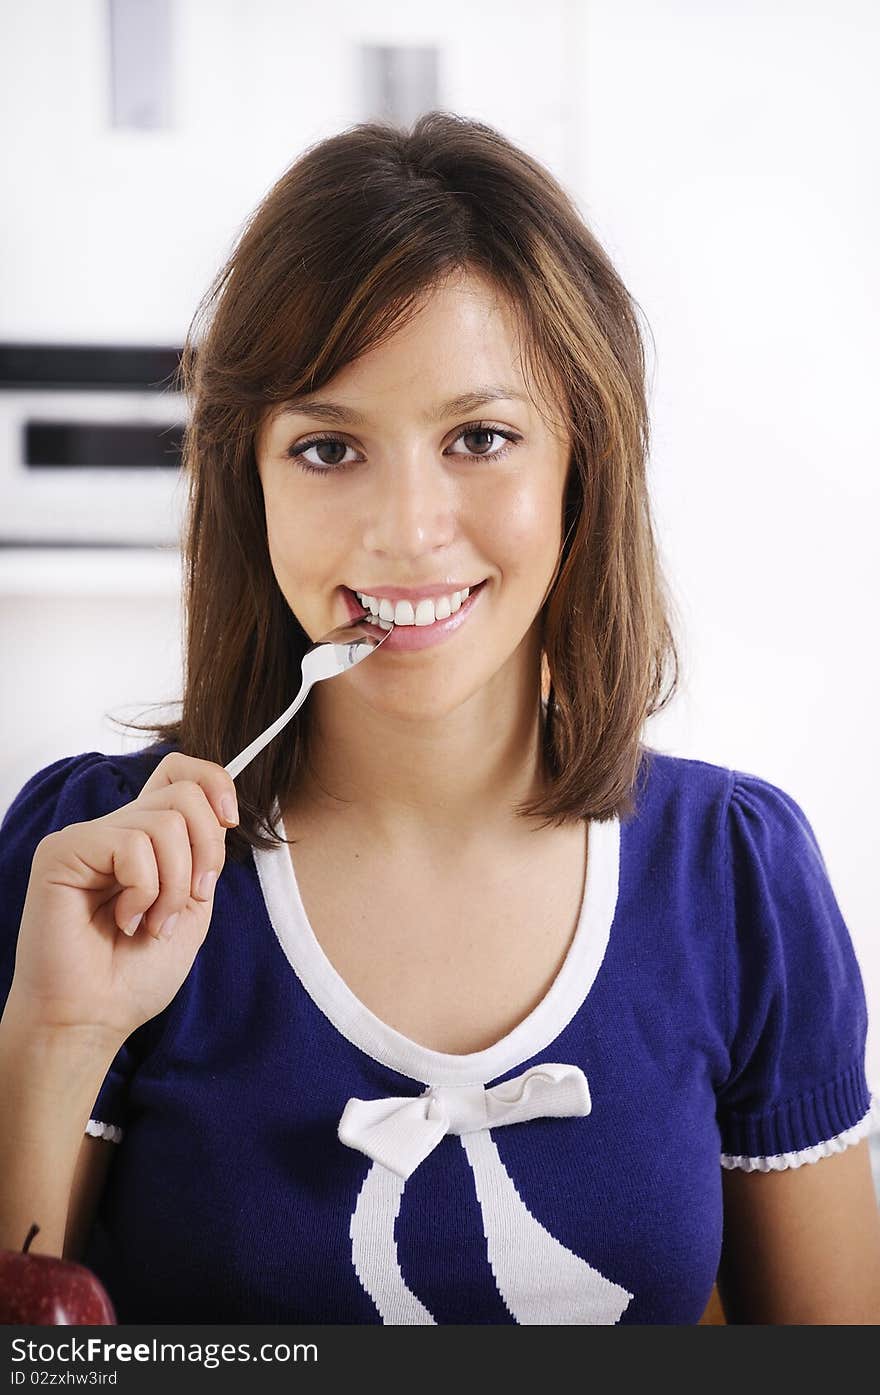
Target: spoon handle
{"x": 236, "y": 766}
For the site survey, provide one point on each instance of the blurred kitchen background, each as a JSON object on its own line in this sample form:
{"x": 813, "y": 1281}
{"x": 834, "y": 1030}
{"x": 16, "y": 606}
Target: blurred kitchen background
{"x": 725, "y": 153}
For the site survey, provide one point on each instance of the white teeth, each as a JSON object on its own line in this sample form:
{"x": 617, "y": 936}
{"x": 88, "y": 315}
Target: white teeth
{"x": 425, "y": 612}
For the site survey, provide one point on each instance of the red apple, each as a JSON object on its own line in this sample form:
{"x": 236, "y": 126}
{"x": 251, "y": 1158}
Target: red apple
{"x": 45, "y": 1291}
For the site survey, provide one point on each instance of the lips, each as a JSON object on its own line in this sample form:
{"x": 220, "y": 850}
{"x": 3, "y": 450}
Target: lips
{"x": 407, "y": 638}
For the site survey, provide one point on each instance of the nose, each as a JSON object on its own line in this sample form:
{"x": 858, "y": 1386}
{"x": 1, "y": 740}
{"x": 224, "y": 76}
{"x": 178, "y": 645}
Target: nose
{"x": 412, "y": 510}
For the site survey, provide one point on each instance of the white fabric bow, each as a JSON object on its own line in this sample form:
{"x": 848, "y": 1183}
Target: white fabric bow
{"x": 539, "y": 1279}
{"x": 400, "y": 1131}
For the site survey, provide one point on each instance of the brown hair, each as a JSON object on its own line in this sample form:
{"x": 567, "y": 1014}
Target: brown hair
{"x": 337, "y": 257}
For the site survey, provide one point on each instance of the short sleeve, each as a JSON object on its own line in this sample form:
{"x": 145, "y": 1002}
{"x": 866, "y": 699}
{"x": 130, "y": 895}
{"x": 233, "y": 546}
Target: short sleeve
{"x": 70, "y": 790}
{"x": 796, "y": 1010}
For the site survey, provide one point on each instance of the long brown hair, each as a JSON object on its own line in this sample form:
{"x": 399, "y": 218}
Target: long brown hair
{"x": 336, "y": 258}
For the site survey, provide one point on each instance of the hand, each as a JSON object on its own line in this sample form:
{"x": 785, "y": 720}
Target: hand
{"x": 75, "y": 966}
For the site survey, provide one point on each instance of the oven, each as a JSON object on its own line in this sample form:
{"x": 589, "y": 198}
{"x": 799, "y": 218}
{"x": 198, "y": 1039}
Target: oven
{"x": 90, "y": 442}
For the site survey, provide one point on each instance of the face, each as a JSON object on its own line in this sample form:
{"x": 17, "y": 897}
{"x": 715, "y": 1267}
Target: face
{"x": 412, "y": 497}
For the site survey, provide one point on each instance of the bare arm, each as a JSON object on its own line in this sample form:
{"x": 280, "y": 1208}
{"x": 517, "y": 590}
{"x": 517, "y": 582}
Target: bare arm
{"x": 89, "y": 1178}
{"x": 48, "y": 1084}
{"x": 802, "y": 1246}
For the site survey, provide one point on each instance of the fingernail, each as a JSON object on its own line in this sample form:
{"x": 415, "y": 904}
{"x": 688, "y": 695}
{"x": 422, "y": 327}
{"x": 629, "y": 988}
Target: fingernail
{"x": 206, "y": 885}
{"x": 168, "y": 928}
{"x": 132, "y": 925}
{"x": 230, "y": 809}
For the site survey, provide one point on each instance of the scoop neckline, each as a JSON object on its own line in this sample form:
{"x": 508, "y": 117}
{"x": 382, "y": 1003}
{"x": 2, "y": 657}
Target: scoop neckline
{"x": 384, "y": 1044}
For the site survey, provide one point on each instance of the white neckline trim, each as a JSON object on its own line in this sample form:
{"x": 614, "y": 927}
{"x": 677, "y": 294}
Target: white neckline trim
{"x": 331, "y": 994}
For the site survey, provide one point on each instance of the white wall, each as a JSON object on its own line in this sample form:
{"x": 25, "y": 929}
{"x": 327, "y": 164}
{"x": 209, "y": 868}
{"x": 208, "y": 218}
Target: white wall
{"x": 83, "y": 635}
{"x": 722, "y": 151}
{"x": 729, "y": 166}
{"x": 115, "y": 233}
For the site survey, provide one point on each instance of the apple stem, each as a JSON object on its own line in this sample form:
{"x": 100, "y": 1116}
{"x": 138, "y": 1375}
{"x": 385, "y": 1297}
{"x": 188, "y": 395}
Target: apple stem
{"x": 34, "y": 1231}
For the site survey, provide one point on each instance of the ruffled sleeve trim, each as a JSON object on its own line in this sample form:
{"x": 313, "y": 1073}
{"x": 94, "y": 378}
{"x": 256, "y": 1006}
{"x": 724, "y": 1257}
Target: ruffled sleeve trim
{"x": 98, "y": 1129}
{"x": 777, "y": 1162}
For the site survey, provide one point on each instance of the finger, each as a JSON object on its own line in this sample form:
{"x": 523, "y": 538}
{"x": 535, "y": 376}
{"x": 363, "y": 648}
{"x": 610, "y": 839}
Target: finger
{"x": 97, "y": 854}
{"x": 216, "y": 782}
{"x": 134, "y": 865}
{"x": 168, "y": 833}
{"x": 207, "y": 837}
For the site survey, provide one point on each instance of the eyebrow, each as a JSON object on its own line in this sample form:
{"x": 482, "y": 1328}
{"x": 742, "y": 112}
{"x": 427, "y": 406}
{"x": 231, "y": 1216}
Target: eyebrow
{"x": 465, "y": 402}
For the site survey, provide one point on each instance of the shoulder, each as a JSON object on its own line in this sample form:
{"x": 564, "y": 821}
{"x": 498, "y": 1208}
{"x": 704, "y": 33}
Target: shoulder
{"x": 720, "y": 826}
{"x": 683, "y": 776}
{"x": 679, "y": 799}
{"x": 76, "y": 788}
{"x": 699, "y": 788}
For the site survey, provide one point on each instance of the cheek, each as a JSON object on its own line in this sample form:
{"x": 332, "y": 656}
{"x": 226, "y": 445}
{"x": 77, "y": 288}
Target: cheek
{"x": 526, "y": 520}
{"x": 282, "y": 545}
{"x": 294, "y": 530}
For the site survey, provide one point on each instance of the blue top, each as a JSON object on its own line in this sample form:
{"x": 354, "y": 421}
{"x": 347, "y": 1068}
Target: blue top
{"x": 284, "y": 1156}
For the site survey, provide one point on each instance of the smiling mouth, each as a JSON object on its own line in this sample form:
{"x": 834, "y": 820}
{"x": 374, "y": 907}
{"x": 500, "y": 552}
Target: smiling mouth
{"x": 373, "y": 618}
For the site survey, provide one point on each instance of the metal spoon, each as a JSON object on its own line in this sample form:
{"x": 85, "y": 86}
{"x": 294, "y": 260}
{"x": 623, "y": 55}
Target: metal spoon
{"x": 336, "y": 653}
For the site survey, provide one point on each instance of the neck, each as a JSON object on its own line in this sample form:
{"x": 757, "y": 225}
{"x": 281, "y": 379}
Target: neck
{"x": 411, "y": 782}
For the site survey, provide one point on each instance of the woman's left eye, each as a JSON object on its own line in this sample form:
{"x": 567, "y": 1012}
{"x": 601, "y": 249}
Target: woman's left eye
{"x": 298, "y": 451}
{"x": 488, "y": 431}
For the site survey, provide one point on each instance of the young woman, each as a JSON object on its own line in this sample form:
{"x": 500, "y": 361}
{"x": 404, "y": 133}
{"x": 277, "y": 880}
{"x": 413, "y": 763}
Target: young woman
{"x": 495, "y": 1014}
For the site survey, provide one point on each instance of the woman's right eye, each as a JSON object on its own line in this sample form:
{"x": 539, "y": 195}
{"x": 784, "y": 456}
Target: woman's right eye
{"x": 297, "y": 452}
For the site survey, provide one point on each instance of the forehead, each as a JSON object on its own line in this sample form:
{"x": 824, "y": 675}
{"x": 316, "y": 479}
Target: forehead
{"x": 458, "y": 352}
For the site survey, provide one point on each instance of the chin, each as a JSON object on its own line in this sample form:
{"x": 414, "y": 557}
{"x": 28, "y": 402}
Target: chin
{"x": 420, "y": 697}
